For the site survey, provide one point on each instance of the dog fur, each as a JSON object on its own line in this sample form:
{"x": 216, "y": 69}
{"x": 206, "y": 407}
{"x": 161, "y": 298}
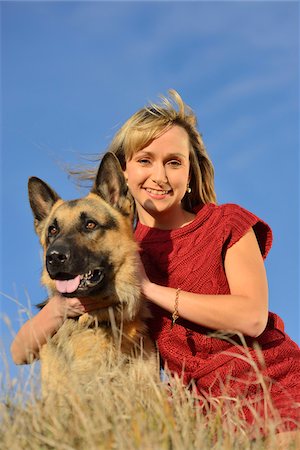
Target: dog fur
{"x": 91, "y": 239}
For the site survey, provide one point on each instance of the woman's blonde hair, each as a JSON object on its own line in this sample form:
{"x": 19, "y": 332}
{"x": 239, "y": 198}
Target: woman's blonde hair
{"x": 153, "y": 120}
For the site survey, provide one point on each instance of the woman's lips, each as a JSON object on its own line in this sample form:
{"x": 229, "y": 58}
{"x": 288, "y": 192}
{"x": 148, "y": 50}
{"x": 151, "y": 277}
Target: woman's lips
{"x": 157, "y": 192}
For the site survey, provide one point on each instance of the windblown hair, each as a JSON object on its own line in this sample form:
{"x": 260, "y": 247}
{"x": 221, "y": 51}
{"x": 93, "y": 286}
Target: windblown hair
{"x": 151, "y": 122}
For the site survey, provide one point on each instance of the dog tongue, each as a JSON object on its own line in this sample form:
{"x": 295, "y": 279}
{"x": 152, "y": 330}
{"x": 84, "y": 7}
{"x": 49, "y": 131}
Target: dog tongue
{"x": 67, "y": 285}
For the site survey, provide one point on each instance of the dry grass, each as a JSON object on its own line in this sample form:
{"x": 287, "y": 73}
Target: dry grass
{"x": 125, "y": 411}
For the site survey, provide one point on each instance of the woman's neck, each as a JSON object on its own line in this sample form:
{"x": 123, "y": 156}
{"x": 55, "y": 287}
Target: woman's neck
{"x": 167, "y": 221}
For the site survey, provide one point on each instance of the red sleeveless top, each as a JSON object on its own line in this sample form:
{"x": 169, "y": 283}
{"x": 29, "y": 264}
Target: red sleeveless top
{"x": 192, "y": 258}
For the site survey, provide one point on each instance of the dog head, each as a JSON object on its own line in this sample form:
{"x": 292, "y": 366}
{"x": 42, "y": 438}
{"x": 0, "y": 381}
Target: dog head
{"x": 89, "y": 250}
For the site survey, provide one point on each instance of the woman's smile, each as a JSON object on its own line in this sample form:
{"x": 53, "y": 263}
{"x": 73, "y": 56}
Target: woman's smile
{"x": 157, "y": 193}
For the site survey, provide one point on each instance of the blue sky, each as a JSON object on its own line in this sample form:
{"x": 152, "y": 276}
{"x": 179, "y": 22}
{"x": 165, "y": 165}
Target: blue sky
{"x": 73, "y": 72}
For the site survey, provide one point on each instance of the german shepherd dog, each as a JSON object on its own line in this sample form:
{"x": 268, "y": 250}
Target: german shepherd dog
{"x": 89, "y": 252}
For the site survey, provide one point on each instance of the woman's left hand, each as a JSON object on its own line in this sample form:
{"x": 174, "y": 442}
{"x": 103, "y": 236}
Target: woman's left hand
{"x": 144, "y": 280}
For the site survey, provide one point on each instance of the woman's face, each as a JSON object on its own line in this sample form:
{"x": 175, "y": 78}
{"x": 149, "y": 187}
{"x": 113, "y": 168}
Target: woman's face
{"x": 158, "y": 176}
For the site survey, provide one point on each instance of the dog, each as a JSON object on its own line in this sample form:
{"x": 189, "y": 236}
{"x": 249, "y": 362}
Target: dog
{"x": 90, "y": 252}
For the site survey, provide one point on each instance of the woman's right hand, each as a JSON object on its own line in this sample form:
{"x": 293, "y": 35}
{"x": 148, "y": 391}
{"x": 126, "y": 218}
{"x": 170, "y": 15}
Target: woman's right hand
{"x": 62, "y": 307}
{"x": 36, "y": 331}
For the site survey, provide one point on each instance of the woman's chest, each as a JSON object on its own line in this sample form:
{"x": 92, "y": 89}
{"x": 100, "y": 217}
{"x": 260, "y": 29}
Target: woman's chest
{"x": 194, "y": 265}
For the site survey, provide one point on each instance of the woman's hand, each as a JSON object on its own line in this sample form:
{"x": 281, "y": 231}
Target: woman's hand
{"x": 144, "y": 280}
{"x": 60, "y": 308}
{"x": 36, "y": 331}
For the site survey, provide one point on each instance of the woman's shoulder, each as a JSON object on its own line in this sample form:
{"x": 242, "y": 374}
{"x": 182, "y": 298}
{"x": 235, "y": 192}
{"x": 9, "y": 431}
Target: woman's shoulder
{"x": 233, "y": 212}
{"x": 237, "y": 221}
{"x": 223, "y": 209}
{"x": 228, "y": 209}
{"x": 225, "y": 213}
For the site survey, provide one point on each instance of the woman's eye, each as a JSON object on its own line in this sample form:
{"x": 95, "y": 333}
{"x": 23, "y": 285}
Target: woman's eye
{"x": 174, "y": 162}
{"x": 144, "y": 161}
{"x": 90, "y": 225}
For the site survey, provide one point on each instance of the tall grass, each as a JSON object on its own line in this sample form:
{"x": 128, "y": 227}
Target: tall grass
{"x": 125, "y": 410}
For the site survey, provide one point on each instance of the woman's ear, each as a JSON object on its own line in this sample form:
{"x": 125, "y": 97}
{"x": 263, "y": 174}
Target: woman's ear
{"x": 125, "y": 176}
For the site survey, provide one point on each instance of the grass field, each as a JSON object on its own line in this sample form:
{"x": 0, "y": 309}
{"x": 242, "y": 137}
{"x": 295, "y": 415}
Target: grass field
{"x": 117, "y": 410}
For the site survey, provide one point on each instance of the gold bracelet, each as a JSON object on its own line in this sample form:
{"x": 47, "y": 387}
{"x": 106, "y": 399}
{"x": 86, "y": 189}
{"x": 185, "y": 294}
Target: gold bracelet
{"x": 175, "y": 314}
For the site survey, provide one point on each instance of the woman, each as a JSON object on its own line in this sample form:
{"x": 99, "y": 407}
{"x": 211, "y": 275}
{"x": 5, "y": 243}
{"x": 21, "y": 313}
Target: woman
{"x": 202, "y": 271}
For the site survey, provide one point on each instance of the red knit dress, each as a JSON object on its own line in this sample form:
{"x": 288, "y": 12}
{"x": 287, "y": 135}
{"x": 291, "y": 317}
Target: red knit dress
{"x": 192, "y": 258}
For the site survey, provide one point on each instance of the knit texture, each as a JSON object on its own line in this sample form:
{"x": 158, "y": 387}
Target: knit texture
{"x": 192, "y": 258}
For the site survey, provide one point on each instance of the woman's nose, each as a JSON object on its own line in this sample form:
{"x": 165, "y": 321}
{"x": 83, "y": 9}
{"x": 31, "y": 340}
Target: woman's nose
{"x": 159, "y": 175}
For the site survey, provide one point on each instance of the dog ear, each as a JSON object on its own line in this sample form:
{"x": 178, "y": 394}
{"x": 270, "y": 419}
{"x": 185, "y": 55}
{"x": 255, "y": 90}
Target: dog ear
{"x": 110, "y": 182}
{"x": 42, "y": 198}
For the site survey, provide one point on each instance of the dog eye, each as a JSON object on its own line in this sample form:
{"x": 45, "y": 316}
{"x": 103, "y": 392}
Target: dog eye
{"x": 90, "y": 225}
{"x": 52, "y": 230}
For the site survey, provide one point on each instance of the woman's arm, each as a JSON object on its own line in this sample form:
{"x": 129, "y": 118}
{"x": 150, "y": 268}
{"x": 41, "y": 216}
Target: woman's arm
{"x": 36, "y": 331}
{"x": 245, "y": 310}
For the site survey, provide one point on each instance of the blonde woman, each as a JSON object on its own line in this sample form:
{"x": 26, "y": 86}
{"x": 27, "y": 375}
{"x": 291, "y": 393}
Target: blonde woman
{"x": 203, "y": 269}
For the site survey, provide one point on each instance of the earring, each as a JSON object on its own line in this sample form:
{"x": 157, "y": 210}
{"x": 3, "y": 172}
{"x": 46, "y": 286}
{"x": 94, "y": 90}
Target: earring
{"x": 188, "y": 189}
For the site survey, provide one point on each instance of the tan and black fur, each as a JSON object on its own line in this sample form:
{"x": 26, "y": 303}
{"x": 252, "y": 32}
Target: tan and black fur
{"x": 91, "y": 237}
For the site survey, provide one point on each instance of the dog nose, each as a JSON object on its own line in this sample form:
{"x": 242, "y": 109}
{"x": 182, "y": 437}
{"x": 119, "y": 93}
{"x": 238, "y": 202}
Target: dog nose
{"x": 57, "y": 257}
